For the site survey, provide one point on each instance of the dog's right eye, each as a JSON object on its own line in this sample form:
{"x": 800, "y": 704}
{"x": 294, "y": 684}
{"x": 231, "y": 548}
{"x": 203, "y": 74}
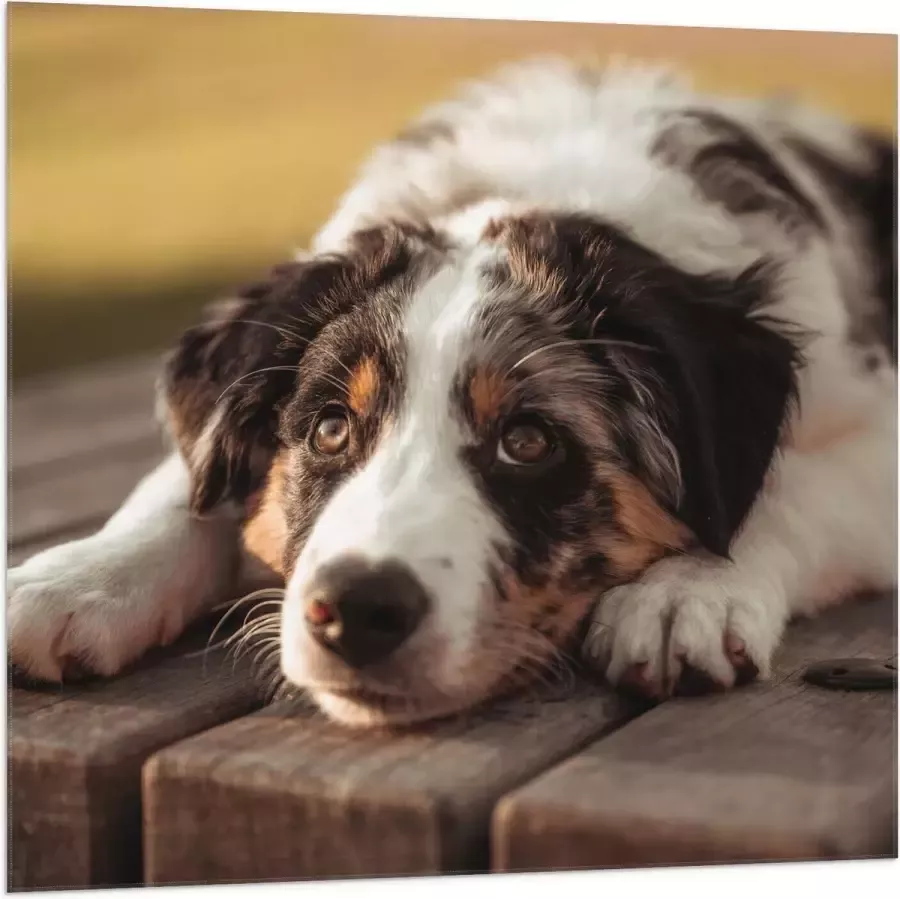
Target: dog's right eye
{"x": 526, "y": 442}
{"x": 331, "y": 433}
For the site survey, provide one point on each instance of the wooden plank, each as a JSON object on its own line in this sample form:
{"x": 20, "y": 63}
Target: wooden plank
{"x": 84, "y": 494}
{"x": 57, "y": 389}
{"x": 286, "y": 795}
{"x": 56, "y": 420}
{"x": 75, "y": 757}
{"x": 780, "y": 771}
{"x": 79, "y": 443}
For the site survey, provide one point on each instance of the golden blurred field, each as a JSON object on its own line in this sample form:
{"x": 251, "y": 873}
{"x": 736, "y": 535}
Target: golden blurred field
{"x": 158, "y": 155}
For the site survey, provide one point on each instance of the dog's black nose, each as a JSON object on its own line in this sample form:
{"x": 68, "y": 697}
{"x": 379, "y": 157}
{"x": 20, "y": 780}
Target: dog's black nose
{"x": 363, "y": 611}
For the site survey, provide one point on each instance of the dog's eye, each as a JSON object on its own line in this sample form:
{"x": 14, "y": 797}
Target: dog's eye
{"x": 332, "y": 432}
{"x": 525, "y": 443}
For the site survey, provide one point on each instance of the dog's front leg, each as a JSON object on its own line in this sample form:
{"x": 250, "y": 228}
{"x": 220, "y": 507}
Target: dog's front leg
{"x": 103, "y": 601}
{"x": 824, "y": 528}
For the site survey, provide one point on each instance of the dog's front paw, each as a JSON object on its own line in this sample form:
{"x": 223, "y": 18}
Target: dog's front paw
{"x": 688, "y": 625}
{"x": 90, "y": 606}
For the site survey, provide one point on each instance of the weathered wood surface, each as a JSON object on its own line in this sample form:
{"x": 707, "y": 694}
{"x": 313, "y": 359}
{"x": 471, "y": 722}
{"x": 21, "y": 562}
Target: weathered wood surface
{"x": 75, "y": 753}
{"x": 59, "y": 419}
{"x": 80, "y": 496}
{"x": 75, "y": 757}
{"x": 78, "y": 445}
{"x": 775, "y": 771}
{"x": 283, "y": 794}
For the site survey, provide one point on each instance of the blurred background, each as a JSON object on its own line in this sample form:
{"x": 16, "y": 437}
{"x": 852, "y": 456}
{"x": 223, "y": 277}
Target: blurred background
{"x": 159, "y": 156}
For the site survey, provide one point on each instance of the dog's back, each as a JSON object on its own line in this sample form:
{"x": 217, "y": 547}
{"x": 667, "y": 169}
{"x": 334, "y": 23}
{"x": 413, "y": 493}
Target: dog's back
{"x": 711, "y": 182}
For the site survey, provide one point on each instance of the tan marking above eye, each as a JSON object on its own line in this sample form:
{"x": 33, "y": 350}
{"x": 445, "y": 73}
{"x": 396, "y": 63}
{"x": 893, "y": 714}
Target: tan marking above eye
{"x": 487, "y": 390}
{"x": 332, "y": 433}
{"x": 363, "y": 387}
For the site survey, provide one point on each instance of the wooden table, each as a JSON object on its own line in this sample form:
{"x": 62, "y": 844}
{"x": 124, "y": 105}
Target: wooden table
{"x": 176, "y": 773}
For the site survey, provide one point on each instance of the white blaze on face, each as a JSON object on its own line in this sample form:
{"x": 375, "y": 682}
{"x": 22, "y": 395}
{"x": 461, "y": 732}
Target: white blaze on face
{"x": 414, "y": 501}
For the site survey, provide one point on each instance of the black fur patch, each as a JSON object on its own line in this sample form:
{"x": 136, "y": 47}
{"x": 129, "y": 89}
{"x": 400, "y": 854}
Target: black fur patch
{"x": 543, "y": 513}
{"x": 731, "y": 167}
{"x": 872, "y": 199}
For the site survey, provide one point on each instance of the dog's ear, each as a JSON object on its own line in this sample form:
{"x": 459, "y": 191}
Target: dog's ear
{"x": 702, "y": 378}
{"x": 718, "y": 384}
{"x": 225, "y": 382}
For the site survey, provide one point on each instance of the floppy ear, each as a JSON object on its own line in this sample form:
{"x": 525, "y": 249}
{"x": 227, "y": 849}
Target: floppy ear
{"x": 224, "y": 382}
{"x": 721, "y": 386}
{"x": 702, "y": 379}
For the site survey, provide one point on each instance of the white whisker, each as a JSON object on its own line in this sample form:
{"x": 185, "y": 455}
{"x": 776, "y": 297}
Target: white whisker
{"x": 250, "y": 374}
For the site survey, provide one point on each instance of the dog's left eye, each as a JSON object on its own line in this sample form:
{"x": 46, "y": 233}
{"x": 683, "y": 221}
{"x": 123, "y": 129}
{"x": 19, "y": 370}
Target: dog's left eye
{"x": 331, "y": 433}
{"x": 525, "y": 442}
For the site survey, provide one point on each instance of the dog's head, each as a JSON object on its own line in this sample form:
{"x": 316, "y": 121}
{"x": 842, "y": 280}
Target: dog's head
{"x": 451, "y": 453}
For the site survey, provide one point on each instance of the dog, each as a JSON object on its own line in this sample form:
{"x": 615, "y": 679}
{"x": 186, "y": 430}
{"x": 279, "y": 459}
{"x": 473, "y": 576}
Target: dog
{"x": 585, "y": 362}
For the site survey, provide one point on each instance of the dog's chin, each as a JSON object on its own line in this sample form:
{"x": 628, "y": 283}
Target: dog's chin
{"x": 361, "y": 708}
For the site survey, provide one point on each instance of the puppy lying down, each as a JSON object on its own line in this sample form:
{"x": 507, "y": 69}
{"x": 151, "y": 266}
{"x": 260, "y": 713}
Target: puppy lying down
{"x": 582, "y": 357}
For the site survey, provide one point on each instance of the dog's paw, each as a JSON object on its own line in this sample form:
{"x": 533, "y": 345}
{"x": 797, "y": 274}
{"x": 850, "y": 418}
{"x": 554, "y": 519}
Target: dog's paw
{"x": 688, "y": 625}
{"x": 91, "y": 606}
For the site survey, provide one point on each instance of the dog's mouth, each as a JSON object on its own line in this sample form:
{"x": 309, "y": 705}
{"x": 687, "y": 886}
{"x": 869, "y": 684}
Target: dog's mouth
{"x": 413, "y": 694}
{"x": 366, "y": 704}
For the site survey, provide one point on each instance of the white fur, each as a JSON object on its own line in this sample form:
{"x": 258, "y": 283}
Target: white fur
{"x": 137, "y": 583}
{"x": 412, "y": 501}
{"x": 546, "y": 140}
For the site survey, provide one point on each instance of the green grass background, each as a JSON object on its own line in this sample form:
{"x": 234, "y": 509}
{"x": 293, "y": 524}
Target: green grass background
{"x": 157, "y": 156}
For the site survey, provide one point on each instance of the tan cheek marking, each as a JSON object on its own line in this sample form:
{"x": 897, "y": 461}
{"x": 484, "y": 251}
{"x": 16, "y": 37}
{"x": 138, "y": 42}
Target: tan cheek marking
{"x": 363, "y": 386}
{"x": 551, "y": 610}
{"x": 486, "y": 391}
{"x": 265, "y": 534}
{"x": 649, "y": 531}
{"x": 630, "y": 557}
